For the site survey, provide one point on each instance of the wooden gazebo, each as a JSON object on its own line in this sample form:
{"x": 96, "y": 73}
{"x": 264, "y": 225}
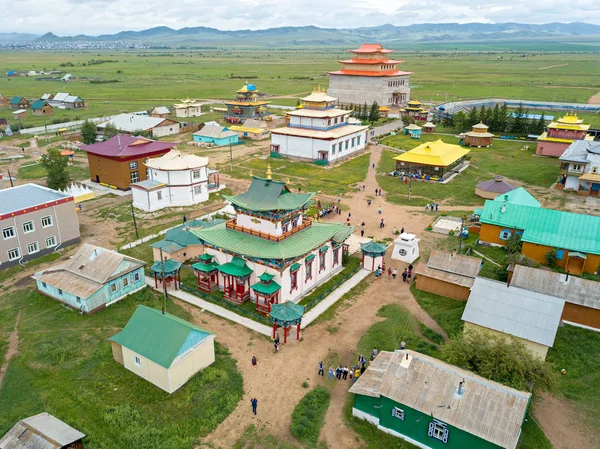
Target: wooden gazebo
{"x": 373, "y": 255}
{"x": 236, "y": 280}
{"x": 207, "y": 272}
{"x": 167, "y": 271}
{"x": 286, "y": 315}
{"x": 266, "y": 293}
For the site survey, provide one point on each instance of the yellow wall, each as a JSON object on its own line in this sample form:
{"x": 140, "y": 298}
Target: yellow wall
{"x": 536, "y": 348}
{"x": 197, "y": 359}
{"x": 149, "y": 370}
{"x": 491, "y": 234}
{"x": 538, "y": 253}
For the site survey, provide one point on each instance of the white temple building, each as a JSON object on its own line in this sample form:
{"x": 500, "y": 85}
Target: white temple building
{"x": 318, "y": 131}
{"x": 174, "y": 180}
{"x": 406, "y": 248}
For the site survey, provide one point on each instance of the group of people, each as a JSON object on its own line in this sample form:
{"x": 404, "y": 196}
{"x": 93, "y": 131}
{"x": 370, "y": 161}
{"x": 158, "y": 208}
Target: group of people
{"x": 326, "y": 210}
{"x": 432, "y": 207}
{"x": 407, "y": 274}
{"x": 345, "y": 372}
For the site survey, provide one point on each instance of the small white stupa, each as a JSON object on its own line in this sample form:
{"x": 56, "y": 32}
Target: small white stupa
{"x": 406, "y": 248}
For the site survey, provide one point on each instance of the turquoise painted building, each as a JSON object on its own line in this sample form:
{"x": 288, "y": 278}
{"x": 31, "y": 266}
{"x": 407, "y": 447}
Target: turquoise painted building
{"x": 216, "y": 134}
{"x": 435, "y": 405}
{"x": 92, "y": 279}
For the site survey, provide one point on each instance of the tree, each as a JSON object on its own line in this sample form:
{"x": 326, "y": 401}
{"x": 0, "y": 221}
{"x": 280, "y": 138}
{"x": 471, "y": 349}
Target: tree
{"x": 56, "y": 168}
{"x": 110, "y": 131}
{"x": 88, "y": 132}
{"x": 495, "y": 118}
{"x": 461, "y": 121}
{"x": 374, "y": 112}
{"x": 365, "y": 112}
{"x": 518, "y": 122}
{"x": 483, "y": 114}
{"x": 540, "y": 126}
{"x": 500, "y": 358}
{"x": 473, "y": 117}
{"x": 503, "y": 123}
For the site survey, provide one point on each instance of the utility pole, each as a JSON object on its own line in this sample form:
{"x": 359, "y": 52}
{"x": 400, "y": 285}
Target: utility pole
{"x": 230, "y": 157}
{"x": 10, "y": 177}
{"x": 137, "y": 235}
{"x": 164, "y": 281}
{"x": 460, "y": 238}
{"x": 46, "y": 131}
{"x": 409, "y": 184}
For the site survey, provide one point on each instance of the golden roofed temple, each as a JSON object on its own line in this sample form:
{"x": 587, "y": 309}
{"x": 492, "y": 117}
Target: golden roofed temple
{"x": 560, "y": 134}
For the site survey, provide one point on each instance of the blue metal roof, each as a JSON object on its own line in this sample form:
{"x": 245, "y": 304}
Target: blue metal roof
{"x": 27, "y": 195}
{"x": 250, "y": 87}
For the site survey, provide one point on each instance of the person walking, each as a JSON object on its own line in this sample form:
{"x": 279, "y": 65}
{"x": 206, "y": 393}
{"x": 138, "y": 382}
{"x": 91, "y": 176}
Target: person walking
{"x": 184, "y": 219}
{"x": 345, "y": 373}
{"x": 368, "y": 203}
{"x": 321, "y": 370}
{"x": 330, "y": 373}
{"x": 403, "y": 345}
{"x": 373, "y": 353}
{"x": 389, "y": 272}
{"x": 356, "y": 373}
{"x": 437, "y": 207}
{"x": 254, "y": 403}
{"x": 362, "y": 229}
{"x": 339, "y": 199}
{"x": 394, "y": 273}
{"x": 254, "y": 360}
{"x": 379, "y": 211}
{"x": 373, "y": 164}
{"x": 402, "y": 230}
{"x": 404, "y": 274}
{"x": 395, "y": 231}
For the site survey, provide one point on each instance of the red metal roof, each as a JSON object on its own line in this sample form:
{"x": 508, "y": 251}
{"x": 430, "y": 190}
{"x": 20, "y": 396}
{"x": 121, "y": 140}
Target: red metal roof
{"x": 370, "y": 61}
{"x": 125, "y": 145}
{"x": 371, "y": 48}
{"x": 365, "y": 73}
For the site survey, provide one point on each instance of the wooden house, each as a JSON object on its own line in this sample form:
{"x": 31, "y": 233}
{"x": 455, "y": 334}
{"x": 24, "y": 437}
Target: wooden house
{"x": 162, "y": 348}
{"x": 582, "y": 296}
{"x": 215, "y": 134}
{"x": 530, "y": 317}
{"x": 92, "y": 279}
{"x": 42, "y": 431}
{"x": 434, "y": 405}
{"x": 478, "y": 136}
{"x": 3, "y": 124}
{"x": 19, "y": 113}
{"x": 41, "y": 107}
{"x": 448, "y": 274}
{"x": 160, "y": 112}
{"x": 19, "y": 103}
{"x": 432, "y": 161}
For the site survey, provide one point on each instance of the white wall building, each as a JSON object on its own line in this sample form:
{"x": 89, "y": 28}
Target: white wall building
{"x": 174, "y": 180}
{"x": 580, "y": 168}
{"x": 406, "y": 248}
{"x": 318, "y": 131}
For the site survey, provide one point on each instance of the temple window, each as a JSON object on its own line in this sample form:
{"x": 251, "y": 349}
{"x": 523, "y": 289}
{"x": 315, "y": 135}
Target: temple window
{"x": 309, "y": 270}
{"x": 336, "y": 256}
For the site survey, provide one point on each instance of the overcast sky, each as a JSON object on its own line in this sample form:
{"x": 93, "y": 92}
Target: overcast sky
{"x": 93, "y": 17}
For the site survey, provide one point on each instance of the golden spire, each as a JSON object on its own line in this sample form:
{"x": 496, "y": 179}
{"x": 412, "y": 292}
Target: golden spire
{"x": 287, "y": 180}
{"x": 251, "y": 174}
{"x": 269, "y": 172}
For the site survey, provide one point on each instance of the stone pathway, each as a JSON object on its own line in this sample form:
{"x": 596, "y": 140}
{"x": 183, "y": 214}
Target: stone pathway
{"x": 331, "y": 299}
{"x": 215, "y": 309}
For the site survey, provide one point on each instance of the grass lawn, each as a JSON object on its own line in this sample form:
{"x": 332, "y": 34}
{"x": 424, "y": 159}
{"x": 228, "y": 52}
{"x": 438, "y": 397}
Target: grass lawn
{"x": 446, "y": 312}
{"x": 8, "y": 275}
{"x": 309, "y": 416}
{"x": 65, "y": 366}
{"x": 489, "y": 270}
{"x": 253, "y": 438}
{"x": 340, "y": 178}
{"x": 504, "y": 158}
{"x": 77, "y": 171}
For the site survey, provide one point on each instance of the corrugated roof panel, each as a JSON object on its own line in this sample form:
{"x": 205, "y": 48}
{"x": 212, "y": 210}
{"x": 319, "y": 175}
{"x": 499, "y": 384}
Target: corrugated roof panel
{"x": 26, "y": 196}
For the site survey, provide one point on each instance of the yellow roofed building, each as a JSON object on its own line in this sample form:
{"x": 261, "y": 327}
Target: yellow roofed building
{"x": 560, "y": 134}
{"x": 433, "y": 161}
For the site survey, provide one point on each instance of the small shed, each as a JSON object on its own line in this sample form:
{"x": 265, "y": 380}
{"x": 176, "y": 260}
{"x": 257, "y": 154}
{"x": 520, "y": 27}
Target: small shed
{"x": 492, "y": 188}
{"x": 413, "y": 130}
{"x": 19, "y": 113}
{"x": 530, "y": 317}
{"x": 19, "y": 103}
{"x": 406, "y": 248}
{"x": 42, "y": 431}
{"x": 383, "y": 111}
{"x": 215, "y": 134}
{"x": 160, "y": 112}
{"x": 41, "y": 107}
{"x": 162, "y": 348}
{"x": 286, "y": 315}
{"x": 428, "y": 128}
{"x": 448, "y": 274}
{"x": 373, "y": 255}
{"x": 251, "y": 129}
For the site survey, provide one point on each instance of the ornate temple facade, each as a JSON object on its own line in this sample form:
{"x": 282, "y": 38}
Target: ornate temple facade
{"x": 560, "y": 134}
{"x": 318, "y": 131}
{"x": 246, "y": 105}
{"x": 370, "y": 75}
{"x": 271, "y": 252}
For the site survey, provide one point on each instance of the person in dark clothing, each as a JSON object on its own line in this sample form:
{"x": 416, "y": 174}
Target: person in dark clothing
{"x": 321, "y": 370}
{"x": 254, "y": 403}
{"x": 404, "y": 275}
{"x": 402, "y": 230}
{"x": 363, "y": 368}
{"x": 184, "y": 219}
{"x": 254, "y": 361}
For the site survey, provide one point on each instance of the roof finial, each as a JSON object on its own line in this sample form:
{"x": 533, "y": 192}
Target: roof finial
{"x": 287, "y": 180}
{"x": 251, "y": 173}
{"x": 269, "y": 172}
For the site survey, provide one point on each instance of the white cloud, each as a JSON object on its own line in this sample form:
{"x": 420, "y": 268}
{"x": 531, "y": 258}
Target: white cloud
{"x": 71, "y": 17}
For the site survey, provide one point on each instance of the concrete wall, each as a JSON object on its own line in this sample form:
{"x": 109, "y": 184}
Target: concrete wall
{"x": 361, "y": 89}
{"x": 442, "y": 288}
{"x": 64, "y": 229}
{"x": 554, "y": 149}
{"x": 536, "y": 349}
{"x": 152, "y": 372}
{"x": 167, "y": 130}
{"x": 307, "y": 148}
{"x": 192, "y": 361}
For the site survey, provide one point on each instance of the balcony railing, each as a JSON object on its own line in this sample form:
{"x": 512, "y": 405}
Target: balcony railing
{"x": 232, "y": 224}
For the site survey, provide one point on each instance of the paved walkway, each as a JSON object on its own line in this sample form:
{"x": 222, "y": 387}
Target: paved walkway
{"x": 386, "y": 128}
{"x": 314, "y": 313}
{"x": 217, "y": 310}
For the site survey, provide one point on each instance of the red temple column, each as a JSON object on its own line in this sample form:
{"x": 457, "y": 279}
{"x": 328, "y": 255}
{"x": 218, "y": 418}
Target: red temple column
{"x": 274, "y": 330}
{"x": 285, "y": 332}
{"x": 155, "y": 281}
{"x": 298, "y": 331}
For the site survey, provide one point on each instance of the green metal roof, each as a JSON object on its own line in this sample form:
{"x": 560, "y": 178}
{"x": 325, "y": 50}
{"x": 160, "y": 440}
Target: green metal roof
{"x": 237, "y": 267}
{"x": 310, "y": 257}
{"x": 170, "y": 266}
{"x": 157, "y": 337}
{"x": 38, "y": 104}
{"x": 266, "y": 289}
{"x": 323, "y": 248}
{"x": 287, "y": 312}
{"x": 206, "y": 256}
{"x": 554, "y": 228}
{"x": 266, "y": 277}
{"x": 266, "y": 194}
{"x": 372, "y": 247}
{"x": 294, "y": 266}
{"x": 15, "y": 100}
{"x": 181, "y": 236}
{"x": 296, "y": 245}
{"x": 478, "y": 211}
{"x": 205, "y": 267}
{"x": 166, "y": 246}
{"x": 518, "y": 196}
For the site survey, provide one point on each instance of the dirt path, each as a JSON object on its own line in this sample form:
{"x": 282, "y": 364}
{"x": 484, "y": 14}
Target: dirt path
{"x": 594, "y": 99}
{"x": 562, "y": 425}
{"x": 13, "y": 346}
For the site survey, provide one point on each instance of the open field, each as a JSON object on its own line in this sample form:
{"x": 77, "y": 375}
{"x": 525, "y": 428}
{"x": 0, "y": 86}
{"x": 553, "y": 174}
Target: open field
{"x": 148, "y": 78}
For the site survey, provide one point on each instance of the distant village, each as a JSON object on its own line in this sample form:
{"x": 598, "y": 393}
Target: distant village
{"x": 277, "y": 257}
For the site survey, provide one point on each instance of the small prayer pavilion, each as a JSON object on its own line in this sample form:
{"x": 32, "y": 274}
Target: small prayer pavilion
{"x": 246, "y": 105}
{"x": 266, "y": 292}
{"x": 428, "y": 128}
{"x": 207, "y": 272}
{"x": 166, "y": 271}
{"x": 373, "y": 255}
{"x": 478, "y": 136}
{"x": 413, "y": 130}
{"x": 285, "y": 316}
{"x": 431, "y": 161}
{"x": 271, "y": 252}
{"x": 414, "y": 109}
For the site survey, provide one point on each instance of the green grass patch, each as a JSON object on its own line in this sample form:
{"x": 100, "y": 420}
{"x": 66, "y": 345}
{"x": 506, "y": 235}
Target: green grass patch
{"x": 253, "y": 438}
{"x": 9, "y": 274}
{"x": 532, "y": 436}
{"x": 446, "y": 312}
{"x": 309, "y": 416}
{"x": 489, "y": 270}
{"x": 77, "y": 171}
{"x": 65, "y": 366}
{"x": 430, "y": 334}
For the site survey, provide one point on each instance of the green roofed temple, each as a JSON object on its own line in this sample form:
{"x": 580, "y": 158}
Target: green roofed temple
{"x": 271, "y": 252}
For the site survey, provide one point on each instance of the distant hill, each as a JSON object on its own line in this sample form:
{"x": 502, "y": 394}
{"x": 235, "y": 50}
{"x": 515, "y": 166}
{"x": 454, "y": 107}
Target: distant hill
{"x": 311, "y": 35}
